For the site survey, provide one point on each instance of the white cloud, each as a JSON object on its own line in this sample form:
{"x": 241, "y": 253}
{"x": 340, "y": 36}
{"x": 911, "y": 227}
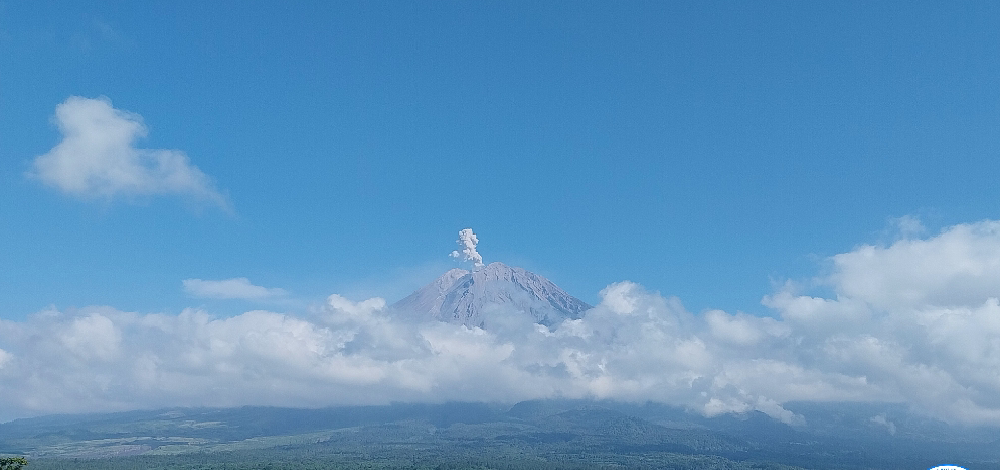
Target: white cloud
{"x": 909, "y": 340}
{"x": 959, "y": 267}
{"x": 742, "y": 329}
{"x": 881, "y": 420}
{"x": 341, "y": 306}
{"x": 235, "y": 288}
{"x": 908, "y": 226}
{"x": 4, "y": 357}
{"x": 97, "y": 157}
{"x": 357, "y": 352}
{"x": 91, "y": 337}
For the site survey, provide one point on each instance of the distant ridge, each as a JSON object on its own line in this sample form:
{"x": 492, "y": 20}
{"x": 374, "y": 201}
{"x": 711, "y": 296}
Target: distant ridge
{"x": 475, "y": 298}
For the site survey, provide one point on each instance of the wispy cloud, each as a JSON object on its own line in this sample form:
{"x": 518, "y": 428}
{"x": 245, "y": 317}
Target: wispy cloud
{"x": 914, "y": 322}
{"x": 97, "y": 157}
{"x": 235, "y": 288}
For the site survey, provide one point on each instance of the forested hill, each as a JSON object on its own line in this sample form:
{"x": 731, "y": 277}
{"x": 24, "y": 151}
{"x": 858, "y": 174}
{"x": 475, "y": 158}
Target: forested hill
{"x": 533, "y": 434}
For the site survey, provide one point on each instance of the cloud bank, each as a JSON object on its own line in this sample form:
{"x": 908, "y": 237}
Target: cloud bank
{"x": 235, "y": 288}
{"x": 97, "y": 157}
{"x": 914, "y": 322}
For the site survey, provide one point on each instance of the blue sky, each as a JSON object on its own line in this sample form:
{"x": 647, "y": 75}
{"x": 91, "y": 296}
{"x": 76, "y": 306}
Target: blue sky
{"x": 703, "y": 150}
{"x": 211, "y": 203}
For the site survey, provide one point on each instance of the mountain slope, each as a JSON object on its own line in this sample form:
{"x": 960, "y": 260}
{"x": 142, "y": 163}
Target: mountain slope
{"x": 560, "y": 433}
{"x": 477, "y": 298}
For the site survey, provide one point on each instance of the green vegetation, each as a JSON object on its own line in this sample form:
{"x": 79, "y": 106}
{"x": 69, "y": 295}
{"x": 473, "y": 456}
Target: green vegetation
{"x": 543, "y": 434}
{"x": 379, "y": 459}
{"x": 12, "y": 463}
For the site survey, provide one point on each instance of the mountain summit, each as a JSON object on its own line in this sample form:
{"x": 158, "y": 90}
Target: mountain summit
{"x": 472, "y": 298}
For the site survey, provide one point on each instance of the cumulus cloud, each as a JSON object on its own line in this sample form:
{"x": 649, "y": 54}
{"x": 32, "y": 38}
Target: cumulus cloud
{"x": 958, "y": 267}
{"x": 235, "y": 288}
{"x": 908, "y": 340}
{"x": 907, "y": 226}
{"x": 630, "y": 347}
{"x": 97, "y": 157}
{"x": 882, "y": 421}
{"x": 468, "y": 241}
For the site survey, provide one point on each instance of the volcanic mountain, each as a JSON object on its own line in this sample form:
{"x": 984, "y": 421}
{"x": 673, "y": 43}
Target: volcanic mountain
{"x": 472, "y": 298}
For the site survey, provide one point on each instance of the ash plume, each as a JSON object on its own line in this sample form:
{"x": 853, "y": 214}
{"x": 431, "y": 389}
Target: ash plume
{"x": 467, "y": 240}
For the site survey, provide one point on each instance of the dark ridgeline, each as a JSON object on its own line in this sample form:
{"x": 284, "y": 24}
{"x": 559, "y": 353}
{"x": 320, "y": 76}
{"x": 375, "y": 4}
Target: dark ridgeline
{"x": 533, "y": 434}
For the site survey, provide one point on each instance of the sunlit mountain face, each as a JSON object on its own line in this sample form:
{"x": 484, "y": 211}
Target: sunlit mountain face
{"x": 476, "y": 298}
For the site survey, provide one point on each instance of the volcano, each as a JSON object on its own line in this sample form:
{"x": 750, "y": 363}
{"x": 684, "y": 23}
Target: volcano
{"x": 473, "y": 298}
